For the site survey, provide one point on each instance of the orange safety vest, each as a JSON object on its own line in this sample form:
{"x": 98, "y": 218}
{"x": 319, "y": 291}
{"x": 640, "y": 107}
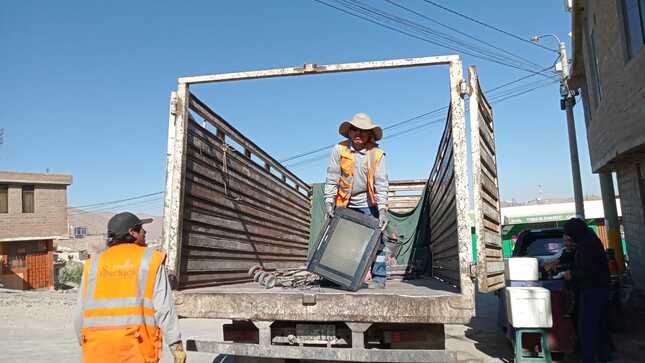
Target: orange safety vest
{"x": 118, "y": 322}
{"x": 374, "y": 155}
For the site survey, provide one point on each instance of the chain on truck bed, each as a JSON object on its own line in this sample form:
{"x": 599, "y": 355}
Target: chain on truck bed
{"x": 297, "y": 277}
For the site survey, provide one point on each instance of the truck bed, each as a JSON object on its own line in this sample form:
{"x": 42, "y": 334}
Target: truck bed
{"x": 422, "y": 300}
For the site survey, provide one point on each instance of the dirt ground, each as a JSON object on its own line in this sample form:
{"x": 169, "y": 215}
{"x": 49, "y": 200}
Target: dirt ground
{"x": 36, "y": 326}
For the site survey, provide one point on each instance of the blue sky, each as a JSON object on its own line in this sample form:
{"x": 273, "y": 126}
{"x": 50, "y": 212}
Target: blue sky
{"x": 85, "y": 88}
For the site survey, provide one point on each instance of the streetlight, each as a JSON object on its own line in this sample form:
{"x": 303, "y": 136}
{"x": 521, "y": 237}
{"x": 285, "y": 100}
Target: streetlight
{"x": 566, "y": 103}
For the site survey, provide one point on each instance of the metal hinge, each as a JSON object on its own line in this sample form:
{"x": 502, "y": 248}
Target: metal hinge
{"x": 464, "y": 88}
{"x": 173, "y": 103}
{"x": 473, "y": 271}
{"x": 310, "y": 68}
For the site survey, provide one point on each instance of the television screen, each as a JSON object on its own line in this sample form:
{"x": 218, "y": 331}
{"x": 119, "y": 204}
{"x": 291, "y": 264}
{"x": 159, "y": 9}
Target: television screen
{"x": 346, "y": 247}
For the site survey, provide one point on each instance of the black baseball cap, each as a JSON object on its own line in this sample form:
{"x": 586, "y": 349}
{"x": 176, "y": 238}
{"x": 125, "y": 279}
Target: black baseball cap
{"x": 119, "y": 224}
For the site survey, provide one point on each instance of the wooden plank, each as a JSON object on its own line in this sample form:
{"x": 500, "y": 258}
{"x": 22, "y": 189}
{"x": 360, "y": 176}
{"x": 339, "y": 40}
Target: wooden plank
{"x": 447, "y": 196}
{"x": 240, "y": 227}
{"x": 205, "y": 241}
{"x": 193, "y": 229}
{"x": 243, "y": 211}
{"x": 488, "y": 161}
{"x": 217, "y": 200}
{"x": 489, "y": 185}
{"x": 198, "y": 172}
{"x": 444, "y": 172}
{"x": 486, "y": 138}
{"x": 491, "y": 238}
{"x": 204, "y": 142}
{"x": 221, "y": 124}
{"x": 237, "y": 256}
{"x": 234, "y": 265}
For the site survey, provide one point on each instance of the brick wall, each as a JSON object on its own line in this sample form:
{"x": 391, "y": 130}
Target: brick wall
{"x": 633, "y": 218}
{"x": 49, "y": 217}
{"x": 617, "y": 122}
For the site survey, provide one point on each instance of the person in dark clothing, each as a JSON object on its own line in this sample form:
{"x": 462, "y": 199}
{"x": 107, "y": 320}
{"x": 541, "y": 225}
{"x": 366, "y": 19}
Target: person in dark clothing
{"x": 590, "y": 274}
{"x": 562, "y": 264}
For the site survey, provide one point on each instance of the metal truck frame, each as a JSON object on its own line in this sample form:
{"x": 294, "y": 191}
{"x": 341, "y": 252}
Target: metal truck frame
{"x": 191, "y": 145}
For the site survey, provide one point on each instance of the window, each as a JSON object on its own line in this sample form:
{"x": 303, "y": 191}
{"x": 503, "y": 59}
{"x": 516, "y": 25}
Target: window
{"x": 640, "y": 172}
{"x": 17, "y": 257}
{"x": 28, "y": 202}
{"x": 595, "y": 64}
{"x": 4, "y": 199}
{"x": 634, "y": 19}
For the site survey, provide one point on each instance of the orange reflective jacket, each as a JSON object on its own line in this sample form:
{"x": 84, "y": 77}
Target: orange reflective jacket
{"x": 118, "y": 322}
{"x": 374, "y": 155}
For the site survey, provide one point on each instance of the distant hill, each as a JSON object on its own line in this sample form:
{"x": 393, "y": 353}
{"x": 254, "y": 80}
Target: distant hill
{"x": 96, "y": 223}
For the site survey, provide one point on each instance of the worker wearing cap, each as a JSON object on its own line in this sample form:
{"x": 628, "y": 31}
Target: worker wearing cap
{"x": 125, "y": 307}
{"x": 357, "y": 178}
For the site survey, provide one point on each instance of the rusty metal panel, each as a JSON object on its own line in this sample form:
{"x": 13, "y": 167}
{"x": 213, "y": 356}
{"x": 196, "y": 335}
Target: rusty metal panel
{"x": 490, "y": 263}
{"x": 310, "y": 69}
{"x": 443, "y": 212}
{"x": 240, "y": 207}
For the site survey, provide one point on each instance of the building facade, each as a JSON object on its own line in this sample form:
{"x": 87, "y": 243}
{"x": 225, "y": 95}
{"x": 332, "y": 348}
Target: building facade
{"x": 609, "y": 69}
{"x": 33, "y": 213}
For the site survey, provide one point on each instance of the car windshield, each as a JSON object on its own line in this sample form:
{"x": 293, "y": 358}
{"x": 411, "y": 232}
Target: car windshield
{"x": 545, "y": 247}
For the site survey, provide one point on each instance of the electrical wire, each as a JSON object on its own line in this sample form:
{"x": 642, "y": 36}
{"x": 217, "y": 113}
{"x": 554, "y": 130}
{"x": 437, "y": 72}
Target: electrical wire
{"x": 525, "y": 60}
{"x": 105, "y": 209}
{"x": 425, "y": 39}
{"x": 365, "y": 9}
{"x": 493, "y": 100}
{"x": 116, "y": 201}
{"x": 488, "y": 25}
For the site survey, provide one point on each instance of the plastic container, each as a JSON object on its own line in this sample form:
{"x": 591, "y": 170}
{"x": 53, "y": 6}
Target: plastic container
{"x": 528, "y": 307}
{"x": 521, "y": 268}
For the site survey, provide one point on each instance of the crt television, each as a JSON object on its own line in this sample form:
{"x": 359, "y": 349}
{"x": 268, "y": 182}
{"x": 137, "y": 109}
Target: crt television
{"x": 346, "y": 248}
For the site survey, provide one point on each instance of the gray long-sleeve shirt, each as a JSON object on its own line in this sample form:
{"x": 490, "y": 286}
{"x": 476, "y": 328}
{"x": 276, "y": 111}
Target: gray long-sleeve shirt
{"x": 359, "y": 197}
{"x": 162, "y": 301}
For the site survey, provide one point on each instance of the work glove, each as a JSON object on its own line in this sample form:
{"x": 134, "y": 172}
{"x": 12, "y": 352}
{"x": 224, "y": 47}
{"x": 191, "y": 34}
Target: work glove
{"x": 383, "y": 218}
{"x": 329, "y": 209}
{"x": 178, "y": 352}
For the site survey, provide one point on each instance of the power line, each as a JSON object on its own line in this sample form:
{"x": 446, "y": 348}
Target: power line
{"x": 452, "y": 41}
{"x": 399, "y": 123}
{"x": 104, "y": 209}
{"x": 327, "y": 147}
{"x": 116, "y": 201}
{"x": 425, "y": 39}
{"x": 515, "y": 81}
{"x": 488, "y": 25}
{"x": 526, "y": 61}
{"x": 495, "y": 100}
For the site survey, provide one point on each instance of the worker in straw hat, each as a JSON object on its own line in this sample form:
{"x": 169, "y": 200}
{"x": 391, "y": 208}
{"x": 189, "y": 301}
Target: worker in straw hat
{"x": 357, "y": 178}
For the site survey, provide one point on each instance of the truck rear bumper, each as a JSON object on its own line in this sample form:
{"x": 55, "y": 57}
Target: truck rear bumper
{"x": 317, "y": 353}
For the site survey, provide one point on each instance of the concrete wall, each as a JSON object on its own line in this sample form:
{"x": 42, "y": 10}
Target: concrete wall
{"x": 633, "y": 218}
{"x": 616, "y": 123}
{"x": 49, "y": 218}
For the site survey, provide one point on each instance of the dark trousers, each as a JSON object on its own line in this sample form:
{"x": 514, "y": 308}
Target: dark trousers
{"x": 379, "y": 267}
{"x": 592, "y": 325}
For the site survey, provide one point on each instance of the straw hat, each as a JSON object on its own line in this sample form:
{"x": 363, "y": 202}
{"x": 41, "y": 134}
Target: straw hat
{"x": 363, "y": 122}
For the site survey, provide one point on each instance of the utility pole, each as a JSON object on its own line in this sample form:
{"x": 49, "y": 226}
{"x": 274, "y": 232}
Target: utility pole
{"x": 567, "y": 102}
{"x": 612, "y": 226}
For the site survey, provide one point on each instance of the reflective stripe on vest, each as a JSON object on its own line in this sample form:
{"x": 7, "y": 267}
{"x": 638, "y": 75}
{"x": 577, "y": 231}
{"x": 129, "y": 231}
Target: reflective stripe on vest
{"x": 347, "y": 166}
{"x": 114, "y": 312}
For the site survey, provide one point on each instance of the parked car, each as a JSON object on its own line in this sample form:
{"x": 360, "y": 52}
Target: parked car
{"x": 546, "y": 245}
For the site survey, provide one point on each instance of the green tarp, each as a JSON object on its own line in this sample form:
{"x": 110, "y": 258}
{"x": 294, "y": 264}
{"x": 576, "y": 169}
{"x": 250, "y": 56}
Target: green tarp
{"x": 413, "y": 235}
